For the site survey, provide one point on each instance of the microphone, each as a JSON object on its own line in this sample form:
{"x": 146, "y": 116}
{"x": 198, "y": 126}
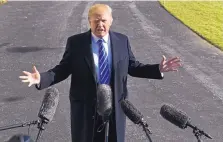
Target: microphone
{"x": 48, "y": 108}
{"x": 104, "y": 106}
{"x": 104, "y": 101}
{"x": 180, "y": 119}
{"x": 46, "y": 113}
{"x": 135, "y": 116}
{"x": 131, "y": 112}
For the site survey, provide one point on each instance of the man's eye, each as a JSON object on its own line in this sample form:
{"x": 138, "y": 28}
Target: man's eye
{"x": 97, "y": 21}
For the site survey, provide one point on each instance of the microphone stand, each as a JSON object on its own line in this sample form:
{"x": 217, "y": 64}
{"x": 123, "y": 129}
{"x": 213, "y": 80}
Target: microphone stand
{"x": 198, "y": 133}
{"x": 146, "y": 129}
{"x": 19, "y": 125}
{"x": 106, "y": 120}
{"x": 106, "y": 131}
{"x": 106, "y": 126}
{"x": 41, "y": 128}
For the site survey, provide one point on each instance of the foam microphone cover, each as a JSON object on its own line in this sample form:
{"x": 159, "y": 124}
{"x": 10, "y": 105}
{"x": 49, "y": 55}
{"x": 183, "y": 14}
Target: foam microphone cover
{"x": 131, "y": 112}
{"x": 104, "y": 100}
{"x": 174, "y": 116}
{"x": 49, "y": 104}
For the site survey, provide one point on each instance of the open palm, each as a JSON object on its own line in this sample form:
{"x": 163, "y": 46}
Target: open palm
{"x": 170, "y": 65}
{"x": 31, "y": 78}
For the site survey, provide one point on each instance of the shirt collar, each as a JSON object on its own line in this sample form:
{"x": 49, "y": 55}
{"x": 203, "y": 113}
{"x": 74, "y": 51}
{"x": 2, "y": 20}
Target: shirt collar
{"x": 95, "y": 38}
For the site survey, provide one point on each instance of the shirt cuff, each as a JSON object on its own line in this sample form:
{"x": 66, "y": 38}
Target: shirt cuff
{"x": 162, "y": 74}
{"x": 37, "y": 86}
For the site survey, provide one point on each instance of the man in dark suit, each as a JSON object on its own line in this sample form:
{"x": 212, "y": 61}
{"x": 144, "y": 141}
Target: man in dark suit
{"x": 98, "y": 56}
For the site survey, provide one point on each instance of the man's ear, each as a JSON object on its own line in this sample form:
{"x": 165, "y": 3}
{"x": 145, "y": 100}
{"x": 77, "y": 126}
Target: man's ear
{"x": 111, "y": 21}
{"x": 89, "y": 20}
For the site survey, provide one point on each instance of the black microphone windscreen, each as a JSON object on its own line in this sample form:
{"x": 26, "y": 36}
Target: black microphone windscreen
{"x": 131, "y": 112}
{"x": 49, "y": 104}
{"x": 174, "y": 116}
{"x": 104, "y": 100}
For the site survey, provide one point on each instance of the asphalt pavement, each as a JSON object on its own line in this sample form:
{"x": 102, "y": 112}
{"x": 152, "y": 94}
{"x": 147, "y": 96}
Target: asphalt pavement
{"x": 35, "y": 33}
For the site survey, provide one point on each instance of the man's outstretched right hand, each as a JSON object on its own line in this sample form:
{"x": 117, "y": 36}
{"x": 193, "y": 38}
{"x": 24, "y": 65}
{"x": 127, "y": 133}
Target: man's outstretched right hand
{"x": 32, "y": 78}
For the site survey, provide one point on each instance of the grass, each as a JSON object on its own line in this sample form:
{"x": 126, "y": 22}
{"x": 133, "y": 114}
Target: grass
{"x": 203, "y": 17}
{"x": 3, "y": 1}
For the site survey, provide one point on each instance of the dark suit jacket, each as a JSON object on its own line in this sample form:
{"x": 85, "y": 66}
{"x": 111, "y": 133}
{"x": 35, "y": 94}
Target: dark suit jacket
{"x": 78, "y": 62}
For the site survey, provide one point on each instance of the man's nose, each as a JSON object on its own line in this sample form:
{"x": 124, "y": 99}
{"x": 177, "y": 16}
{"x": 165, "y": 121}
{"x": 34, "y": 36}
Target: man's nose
{"x": 100, "y": 23}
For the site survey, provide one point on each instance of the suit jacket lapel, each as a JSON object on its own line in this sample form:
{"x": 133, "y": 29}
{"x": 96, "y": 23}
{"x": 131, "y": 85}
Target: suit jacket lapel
{"x": 114, "y": 50}
{"x": 115, "y": 57}
{"x": 89, "y": 56}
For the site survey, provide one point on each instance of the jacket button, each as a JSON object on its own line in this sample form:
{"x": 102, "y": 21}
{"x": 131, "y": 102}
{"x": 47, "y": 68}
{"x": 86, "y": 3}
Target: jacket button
{"x": 93, "y": 117}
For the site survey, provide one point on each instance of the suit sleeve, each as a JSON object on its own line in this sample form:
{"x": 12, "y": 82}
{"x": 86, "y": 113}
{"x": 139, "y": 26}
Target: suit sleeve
{"x": 137, "y": 69}
{"x": 60, "y": 72}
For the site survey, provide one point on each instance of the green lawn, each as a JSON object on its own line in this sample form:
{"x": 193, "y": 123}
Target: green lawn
{"x": 203, "y": 17}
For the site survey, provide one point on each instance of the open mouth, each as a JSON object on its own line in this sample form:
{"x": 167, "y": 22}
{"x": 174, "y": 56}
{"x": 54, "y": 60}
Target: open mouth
{"x": 100, "y": 30}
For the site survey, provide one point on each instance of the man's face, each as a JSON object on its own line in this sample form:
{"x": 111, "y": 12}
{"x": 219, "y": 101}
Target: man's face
{"x": 100, "y": 22}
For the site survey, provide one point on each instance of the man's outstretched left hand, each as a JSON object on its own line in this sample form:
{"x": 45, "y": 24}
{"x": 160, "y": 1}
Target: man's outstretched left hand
{"x": 170, "y": 65}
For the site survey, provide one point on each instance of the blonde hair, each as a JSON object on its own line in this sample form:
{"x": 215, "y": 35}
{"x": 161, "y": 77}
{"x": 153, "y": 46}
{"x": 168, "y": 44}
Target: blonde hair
{"x": 97, "y": 6}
